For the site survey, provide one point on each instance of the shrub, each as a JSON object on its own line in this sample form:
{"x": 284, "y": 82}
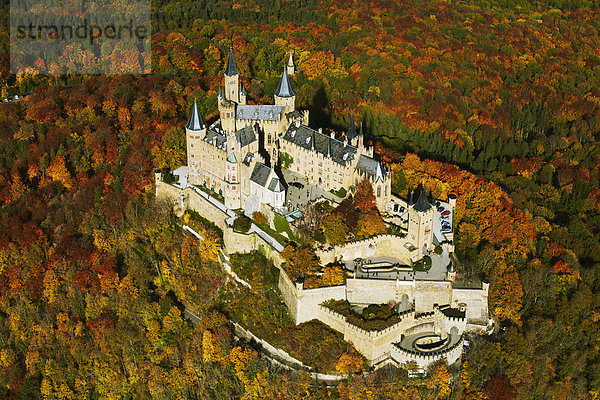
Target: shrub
{"x": 259, "y": 217}
{"x": 242, "y": 224}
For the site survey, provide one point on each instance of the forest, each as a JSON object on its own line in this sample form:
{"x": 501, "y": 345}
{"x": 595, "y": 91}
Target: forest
{"x": 497, "y": 101}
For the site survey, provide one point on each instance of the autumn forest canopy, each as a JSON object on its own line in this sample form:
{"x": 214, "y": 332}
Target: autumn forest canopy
{"x": 495, "y": 101}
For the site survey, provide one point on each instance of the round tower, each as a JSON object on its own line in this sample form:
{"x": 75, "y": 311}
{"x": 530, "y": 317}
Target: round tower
{"x": 227, "y": 115}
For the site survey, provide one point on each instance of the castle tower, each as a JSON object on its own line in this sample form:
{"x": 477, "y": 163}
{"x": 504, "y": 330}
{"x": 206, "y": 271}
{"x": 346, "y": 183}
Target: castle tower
{"x": 285, "y": 94}
{"x": 242, "y": 94}
{"x": 420, "y": 225}
{"x": 291, "y": 70}
{"x": 227, "y": 115}
{"x": 195, "y": 131}
{"x": 232, "y": 90}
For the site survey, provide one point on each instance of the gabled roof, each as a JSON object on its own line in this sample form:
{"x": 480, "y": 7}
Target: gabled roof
{"x": 196, "y": 123}
{"x": 422, "y": 203}
{"x": 259, "y": 112}
{"x": 371, "y": 167}
{"x": 230, "y": 69}
{"x": 217, "y": 139}
{"x": 310, "y": 139}
{"x": 245, "y": 136}
{"x": 231, "y": 158}
{"x": 285, "y": 87}
{"x": 260, "y": 174}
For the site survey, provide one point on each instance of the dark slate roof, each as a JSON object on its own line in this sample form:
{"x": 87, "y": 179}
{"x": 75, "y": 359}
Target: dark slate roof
{"x": 285, "y": 87}
{"x": 294, "y": 114}
{"x": 308, "y": 139}
{"x": 217, "y": 139}
{"x": 371, "y": 167}
{"x": 245, "y": 136}
{"x": 422, "y": 203}
{"x": 259, "y": 112}
{"x": 260, "y": 174}
{"x": 276, "y": 186}
{"x": 248, "y": 158}
{"x": 231, "y": 70}
{"x": 196, "y": 123}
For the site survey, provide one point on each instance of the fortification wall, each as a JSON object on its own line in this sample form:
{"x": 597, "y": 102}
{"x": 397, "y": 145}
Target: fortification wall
{"x": 379, "y": 291}
{"x": 233, "y": 241}
{"x": 373, "y": 345}
{"x": 402, "y": 356}
{"x": 203, "y": 207}
{"x": 445, "y": 325}
{"x": 428, "y": 293}
{"x": 476, "y": 301}
{"x": 166, "y": 192}
{"x": 304, "y": 303}
{"x": 390, "y": 245}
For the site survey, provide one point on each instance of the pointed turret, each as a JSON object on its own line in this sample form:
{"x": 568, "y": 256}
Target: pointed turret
{"x": 196, "y": 123}
{"x": 230, "y": 69}
{"x": 312, "y": 142}
{"x": 285, "y": 87}
{"x": 242, "y": 94}
{"x": 232, "y": 90}
{"x": 291, "y": 70}
{"x": 285, "y": 94}
{"x": 329, "y": 148}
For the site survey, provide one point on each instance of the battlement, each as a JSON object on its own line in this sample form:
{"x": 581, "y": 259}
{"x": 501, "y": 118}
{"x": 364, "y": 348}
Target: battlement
{"x": 403, "y": 356}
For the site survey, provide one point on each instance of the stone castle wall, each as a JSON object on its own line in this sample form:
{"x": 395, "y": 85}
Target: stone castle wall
{"x": 390, "y": 245}
{"x": 183, "y": 199}
{"x": 303, "y": 304}
{"x": 379, "y": 291}
{"x": 423, "y": 360}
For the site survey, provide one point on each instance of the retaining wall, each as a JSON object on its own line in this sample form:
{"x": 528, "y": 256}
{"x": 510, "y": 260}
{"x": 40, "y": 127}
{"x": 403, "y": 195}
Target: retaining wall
{"x": 373, "y": 345}
{"x": 390, "y": 245}
{"x": 304, "y": 303}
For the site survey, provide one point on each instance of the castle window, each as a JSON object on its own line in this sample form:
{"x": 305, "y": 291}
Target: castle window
{"x": 378, "y": 191}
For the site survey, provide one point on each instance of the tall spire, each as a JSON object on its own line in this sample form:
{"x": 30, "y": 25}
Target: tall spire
{"x": 351, "y": 127}
{"x": 329, "y": 148}
{"x": 231, "y": 70}
{"x": 285, "y": 87}
{"x": 312, "y": 142}
{"x": 196, "y": 123}
{"x": 242, "y": 89}
{"x": 291, "y": 61}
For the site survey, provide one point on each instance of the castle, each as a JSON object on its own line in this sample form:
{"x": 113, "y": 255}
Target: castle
{"x": 244, "y": 157}
{"x": 239, "y": 155}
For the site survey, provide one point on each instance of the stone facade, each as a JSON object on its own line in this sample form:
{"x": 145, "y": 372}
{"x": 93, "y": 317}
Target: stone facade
{"x": 224, "y": 156}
